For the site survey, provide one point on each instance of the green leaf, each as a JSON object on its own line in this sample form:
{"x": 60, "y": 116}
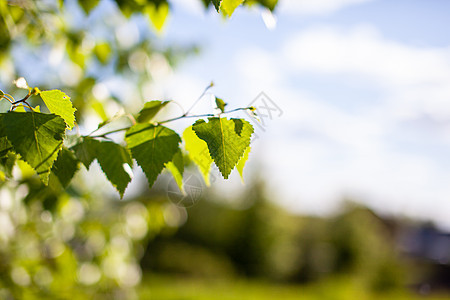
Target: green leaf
{"x": 103, "y": 52}
{"x": 88, "y": 5}
{"x": 198, "y": 152}
{"x": 150, "y": 110}
{"x": 5, "y": 145}
{"x": 59, "y": 103}
{"x": 7, "y": 163}
{"x": 176, "y": 167}
{"x": 226, "y": 140}
{"x": 113, "y": 160}
{"x": 36, "y": 137}
{"x": 86, "y": 151}
{"x": 217, "y": 4}
{"x": 158, "y": 14}
{"x": 220, "y": 104}
{"x": 152, "y": 147}
{"x": 228, "y": 6}
{"x": 65, "y": 166}
{"x": 241, "y": 164}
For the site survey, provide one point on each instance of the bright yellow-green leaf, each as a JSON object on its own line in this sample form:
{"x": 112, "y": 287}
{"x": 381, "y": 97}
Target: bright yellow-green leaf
{"x": 99, "y": 109}
{"x": 228, "y": 6}
{"x": 59, "y": 103}
{"x": 198, "y": 152}
{"x": 241, "y": 164}
{"x": 157, "y": 14}
{"x": 176, "y": 167}
{"x": 103, "y": 52}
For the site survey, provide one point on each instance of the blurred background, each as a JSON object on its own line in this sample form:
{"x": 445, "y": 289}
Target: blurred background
{"x": 344, "y": 196}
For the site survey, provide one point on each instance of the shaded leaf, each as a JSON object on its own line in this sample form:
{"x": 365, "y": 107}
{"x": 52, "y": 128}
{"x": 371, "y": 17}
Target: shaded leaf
{"x": 150, "y": 110}
{"x": 59, "y": 103}
{"x": 65, "y": 166}
{"x": 114, "y": 160}
{"x": 226, "y": 140}
{"x": 36, "y": 137}
{"x": 116, "y": 163}
{"x": 152, "y": 147}
{"x": 198, "y": 152}
{"x": 5, "y": 145}
{"x": 216, "y": 4}
{"x": 86, "y": 151}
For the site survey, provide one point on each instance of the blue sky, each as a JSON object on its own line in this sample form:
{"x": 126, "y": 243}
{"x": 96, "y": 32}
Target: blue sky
{"x": 365, "y": 91}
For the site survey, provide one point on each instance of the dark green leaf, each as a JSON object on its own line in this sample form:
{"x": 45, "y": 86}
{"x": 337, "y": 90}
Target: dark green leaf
{"x": 116, "y": 163}
{"x": 114, "y": 160}
{"x": 152, "y": 147}
{"x": 216, "y": 4}
{"x": 65, "y": 166}
{"x": 227, "y": 140}
{"x": 86, "y": 151}
{"x": 36, "y": 137}
{"x": 5, "y": 145}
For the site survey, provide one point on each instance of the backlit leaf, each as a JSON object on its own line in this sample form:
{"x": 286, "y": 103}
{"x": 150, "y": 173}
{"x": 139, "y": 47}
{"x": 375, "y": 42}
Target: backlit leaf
{"x": 227, "y": 140}
{"x": 176, "y": 167}
{"x": 152, "y": 147}
{"x": 150, "y": 110}
{"x": 198, "y": 152}
{"x": 59, "y": 103}
{"x": 241, "y": 164}
{"x": 36, "y": 137}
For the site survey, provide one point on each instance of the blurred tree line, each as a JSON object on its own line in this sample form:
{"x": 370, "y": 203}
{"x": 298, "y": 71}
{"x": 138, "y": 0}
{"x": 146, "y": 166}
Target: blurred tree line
{"x": 262, "y": 240}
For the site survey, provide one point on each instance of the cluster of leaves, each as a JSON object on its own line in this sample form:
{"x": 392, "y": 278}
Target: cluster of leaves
{"x": 39, "y": 139}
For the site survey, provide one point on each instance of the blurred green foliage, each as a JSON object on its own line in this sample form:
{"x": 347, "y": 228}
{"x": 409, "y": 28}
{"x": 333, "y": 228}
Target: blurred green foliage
{"x": 164, "y": 287}
{"x": 261, "y": 240}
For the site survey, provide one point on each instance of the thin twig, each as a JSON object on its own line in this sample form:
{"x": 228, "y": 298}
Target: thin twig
{"x": 22, "y": 100}
{"x": 167, "y": 121}
{"x": 199, "y": 98}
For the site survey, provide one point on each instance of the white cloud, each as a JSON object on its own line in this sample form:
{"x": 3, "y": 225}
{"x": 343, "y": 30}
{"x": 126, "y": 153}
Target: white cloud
{"x": 416, "y": 78}
{"x": 316, "y": 7}
{"x": 318, "y": 151}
